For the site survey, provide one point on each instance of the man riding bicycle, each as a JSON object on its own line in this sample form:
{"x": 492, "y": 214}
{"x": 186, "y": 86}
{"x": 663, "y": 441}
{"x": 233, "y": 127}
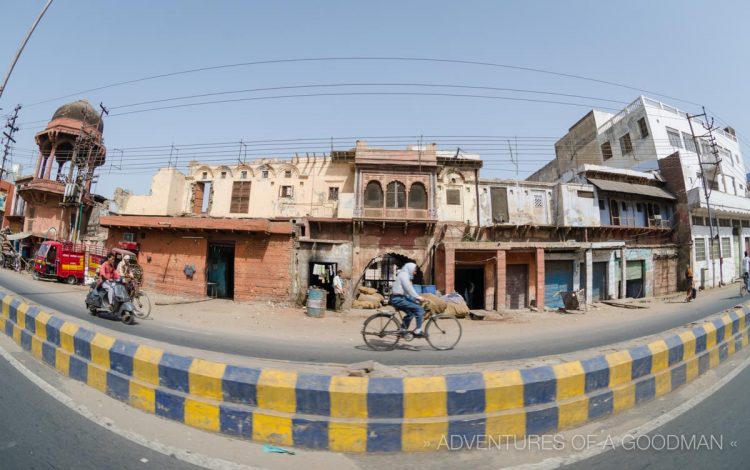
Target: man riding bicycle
{"x": 406, "y": 299}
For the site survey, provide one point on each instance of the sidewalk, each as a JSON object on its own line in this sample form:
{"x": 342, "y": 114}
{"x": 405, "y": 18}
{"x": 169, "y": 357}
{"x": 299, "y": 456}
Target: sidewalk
{"x": 291, "y": 324}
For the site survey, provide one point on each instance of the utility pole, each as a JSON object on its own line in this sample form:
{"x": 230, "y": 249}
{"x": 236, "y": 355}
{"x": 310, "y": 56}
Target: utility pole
{"x": 11, "y": 129}
{"x": 711, "y": 218}
{"x": 23, "y": 44}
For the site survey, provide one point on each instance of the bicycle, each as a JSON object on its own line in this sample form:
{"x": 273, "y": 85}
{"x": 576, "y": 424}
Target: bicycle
{"x": 141, "y": 300}
{"x": 383, "y": 330}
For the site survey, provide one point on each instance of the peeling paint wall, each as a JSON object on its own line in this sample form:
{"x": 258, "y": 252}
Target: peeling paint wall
{"x": 309, "y": 252}
{"x": 569, "y": 205}
{"x": 310, "y": 180}
{"x": 528, "y": 203}
{"x": 464, "y": 182}
{"x": 166, "y": 197}
{"x": 577, "y": 205}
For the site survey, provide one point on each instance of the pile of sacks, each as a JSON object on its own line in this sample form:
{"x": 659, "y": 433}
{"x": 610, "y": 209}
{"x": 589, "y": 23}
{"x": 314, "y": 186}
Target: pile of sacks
{"x": 451, "y": 304}
{"x": 368, "y": 298}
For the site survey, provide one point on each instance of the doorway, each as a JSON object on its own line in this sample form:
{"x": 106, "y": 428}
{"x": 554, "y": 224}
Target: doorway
{"x": 634, "y": 277}
{"x": 220, "y": 270}
{"x": 558, "y": 278}
{"x": 320, "y": 275}
{"x": 516, "y": 286}
{"x": 598, "y": 280}
{"x": 470, "y": 284}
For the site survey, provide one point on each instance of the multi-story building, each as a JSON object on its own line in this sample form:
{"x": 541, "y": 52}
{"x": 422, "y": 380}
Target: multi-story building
{"x": 539, "y": 240}
{"x": 361, "y": 210}
{"x": 652, "y": 136}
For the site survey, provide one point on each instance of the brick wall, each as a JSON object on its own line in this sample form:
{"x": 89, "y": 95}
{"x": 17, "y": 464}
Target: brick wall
{"x": 500, "y": 280}
{"x": 262, "y": 267}
{"x": 163, "y": 258}
{"x": 261, "y": 263}
{"x": 540, "y": 278}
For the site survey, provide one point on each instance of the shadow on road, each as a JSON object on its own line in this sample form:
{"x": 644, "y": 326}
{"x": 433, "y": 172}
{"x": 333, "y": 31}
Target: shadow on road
{"x": 399, "y": 347}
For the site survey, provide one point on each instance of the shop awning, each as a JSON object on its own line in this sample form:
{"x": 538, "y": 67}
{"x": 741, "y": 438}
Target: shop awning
{"x": 632, "y": 188}
{"x": 19, "y": 236}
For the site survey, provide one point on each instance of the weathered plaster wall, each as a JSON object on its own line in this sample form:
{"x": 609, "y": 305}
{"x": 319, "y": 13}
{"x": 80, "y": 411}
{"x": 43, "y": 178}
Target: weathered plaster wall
{"x": 167, "y": 196}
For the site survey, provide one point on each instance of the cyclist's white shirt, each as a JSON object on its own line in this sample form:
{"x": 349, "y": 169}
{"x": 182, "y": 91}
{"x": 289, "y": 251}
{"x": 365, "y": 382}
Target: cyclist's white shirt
{"x": 403, "y": 286}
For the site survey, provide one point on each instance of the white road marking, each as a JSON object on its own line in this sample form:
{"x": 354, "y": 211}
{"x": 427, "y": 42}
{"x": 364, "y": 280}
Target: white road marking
{"x": 656, "y": 423}
{"x": 180, "y": 454}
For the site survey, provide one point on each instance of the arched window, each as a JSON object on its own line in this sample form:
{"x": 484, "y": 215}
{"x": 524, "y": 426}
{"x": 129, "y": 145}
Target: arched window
{"x": 417, "y": 196}
{"x": 373, "y": 195}
{"x": 395, "y": 195}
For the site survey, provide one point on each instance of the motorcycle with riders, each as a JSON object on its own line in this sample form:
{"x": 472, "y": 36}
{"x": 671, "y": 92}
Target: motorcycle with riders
{"x": 110, "y": 294}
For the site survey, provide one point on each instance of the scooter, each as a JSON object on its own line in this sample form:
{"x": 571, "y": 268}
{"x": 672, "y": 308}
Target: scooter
{"x": 97, "y": 301}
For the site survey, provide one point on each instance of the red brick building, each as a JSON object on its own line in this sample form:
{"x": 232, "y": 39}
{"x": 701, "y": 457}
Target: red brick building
{"x": 240, "y": 259}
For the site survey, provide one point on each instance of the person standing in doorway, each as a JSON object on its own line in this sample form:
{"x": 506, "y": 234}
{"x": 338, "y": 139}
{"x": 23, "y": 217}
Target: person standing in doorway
{"x": 689, "y": 281}
{"x": 338, "y": 289}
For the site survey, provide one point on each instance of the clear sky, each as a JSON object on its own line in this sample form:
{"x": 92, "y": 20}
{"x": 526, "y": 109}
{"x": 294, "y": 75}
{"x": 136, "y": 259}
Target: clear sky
{"x": 691, "y": 50}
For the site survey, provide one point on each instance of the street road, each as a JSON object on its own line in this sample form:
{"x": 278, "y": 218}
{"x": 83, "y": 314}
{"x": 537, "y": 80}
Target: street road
{"x": 722, "y": 422}
{"x": 48, "y": 295}
{"x": 38, "y": 432}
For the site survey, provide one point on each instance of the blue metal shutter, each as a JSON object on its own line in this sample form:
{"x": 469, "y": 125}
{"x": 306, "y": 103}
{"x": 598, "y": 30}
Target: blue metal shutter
{"x": 558, "y": 276}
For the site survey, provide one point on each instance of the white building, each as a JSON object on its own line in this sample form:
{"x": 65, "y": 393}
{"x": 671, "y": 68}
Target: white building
{"x": 649, "y": 135}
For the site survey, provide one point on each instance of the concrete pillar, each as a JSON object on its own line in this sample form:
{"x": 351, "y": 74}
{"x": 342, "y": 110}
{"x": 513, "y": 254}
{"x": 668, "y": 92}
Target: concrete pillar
{"x": 623, "y": 273}
{"x": 648, "y": 275}
{"x": 450, "y": 270}
{"x": 540, "y": 278}
{"x": 589, "y": 276}
{"x": 500, "y": 280}
{"x": 612, "y": 276}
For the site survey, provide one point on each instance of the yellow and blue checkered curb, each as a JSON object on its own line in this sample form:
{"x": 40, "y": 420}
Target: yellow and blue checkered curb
{"x": 361, "y": 414}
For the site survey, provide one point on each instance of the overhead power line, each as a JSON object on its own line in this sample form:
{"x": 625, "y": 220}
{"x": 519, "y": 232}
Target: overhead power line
{"x": 365, "y": 58}
{"x": 338, "y": 85}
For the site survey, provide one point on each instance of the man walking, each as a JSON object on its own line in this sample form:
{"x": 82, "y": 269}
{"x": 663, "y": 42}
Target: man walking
{"x": 689, "y": 281}
{"x": 338, "y": 289}
{"x": 746, "y": 271}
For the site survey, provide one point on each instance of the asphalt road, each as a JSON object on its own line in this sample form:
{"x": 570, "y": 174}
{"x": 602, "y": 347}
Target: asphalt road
{"x": 38, "y": 432}
{"x": 48, "y": 294}
{"x": 715, "y": 434}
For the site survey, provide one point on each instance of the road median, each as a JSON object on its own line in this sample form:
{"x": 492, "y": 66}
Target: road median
{"x": 373, "y": 414}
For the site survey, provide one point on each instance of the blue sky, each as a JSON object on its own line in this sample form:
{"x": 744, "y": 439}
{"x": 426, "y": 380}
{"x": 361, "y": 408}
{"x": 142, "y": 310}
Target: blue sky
{"x": 692, "y": 50}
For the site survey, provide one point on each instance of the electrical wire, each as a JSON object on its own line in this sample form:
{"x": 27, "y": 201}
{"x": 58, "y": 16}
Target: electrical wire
{"x": 364, "y": 58}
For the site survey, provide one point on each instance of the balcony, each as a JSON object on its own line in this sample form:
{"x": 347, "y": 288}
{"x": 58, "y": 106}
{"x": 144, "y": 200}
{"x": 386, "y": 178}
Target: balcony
{"x": 654, "y": 222}
{"x": 396, "y": 214}
{"x": 44, "y": 185}
{"x": 720, "y": 202}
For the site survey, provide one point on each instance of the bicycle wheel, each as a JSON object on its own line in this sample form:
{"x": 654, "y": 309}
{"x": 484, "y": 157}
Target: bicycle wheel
{"x": 443, "y": 332}
{"x": 142, "y": 305}
{"x": 381, "y": 332}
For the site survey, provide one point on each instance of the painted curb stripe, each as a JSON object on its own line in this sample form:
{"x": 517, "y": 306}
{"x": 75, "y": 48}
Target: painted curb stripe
{"x": 356, "y": 414}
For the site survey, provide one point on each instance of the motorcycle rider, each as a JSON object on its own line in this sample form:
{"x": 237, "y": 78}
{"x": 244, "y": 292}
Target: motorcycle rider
{"x": 123, "y": 267}
{"x": 109, "y": 275}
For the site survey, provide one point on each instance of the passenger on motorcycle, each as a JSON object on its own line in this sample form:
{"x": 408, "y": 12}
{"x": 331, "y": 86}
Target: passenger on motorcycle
{"x": 109, "y": 275}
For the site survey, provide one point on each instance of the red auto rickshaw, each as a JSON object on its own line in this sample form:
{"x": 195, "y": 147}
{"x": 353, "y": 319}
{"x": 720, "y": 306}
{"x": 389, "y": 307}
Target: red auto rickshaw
{"x": 66, "y": 261}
